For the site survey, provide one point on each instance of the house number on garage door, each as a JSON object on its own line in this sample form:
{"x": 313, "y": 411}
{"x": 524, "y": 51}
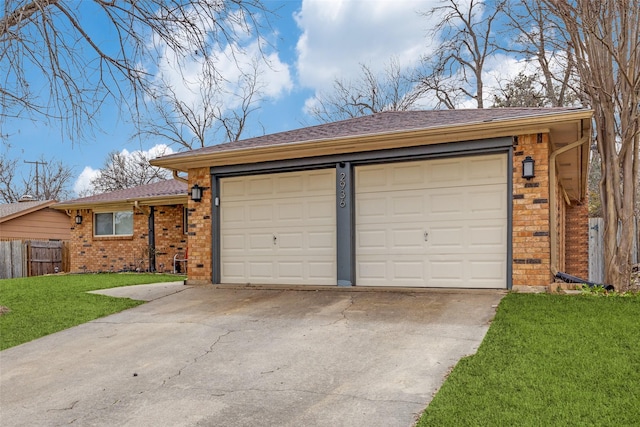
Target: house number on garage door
{"x": 343, "y": 193}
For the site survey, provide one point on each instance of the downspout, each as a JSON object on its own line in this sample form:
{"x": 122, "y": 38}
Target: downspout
{"x": 553, "y": 204}
{"x": 179, "y": 178}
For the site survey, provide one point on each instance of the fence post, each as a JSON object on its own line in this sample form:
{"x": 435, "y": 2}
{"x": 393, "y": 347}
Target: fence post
{"x": 596, "y": 250}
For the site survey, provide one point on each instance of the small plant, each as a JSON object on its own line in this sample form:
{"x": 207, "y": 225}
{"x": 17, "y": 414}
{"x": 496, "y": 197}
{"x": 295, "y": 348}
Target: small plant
{"x": 601, "y": 290}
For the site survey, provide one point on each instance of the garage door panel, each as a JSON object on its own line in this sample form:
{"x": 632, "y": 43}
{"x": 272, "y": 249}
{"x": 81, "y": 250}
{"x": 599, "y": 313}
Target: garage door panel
{"x": 448, "y": 231}
{"x": 321, "y": 182}
{"x": 259, "y": 242}
{"x": 403, "y": 238}
{"x": 233, "y": 242}
{"x": 233, "y": 214}
{"x": 260, "y": 186}
{"x": 321, "y": 209}
{"x": 487, "y": 238}
{"x": 260, "y": 271}
{"x": 288, "y": 224}
{"x": 446, "y": 238}
{"x": 285, "y": 185}
{"x": 288, "y": 270}
{"x": 487, "y": 169}
{"x": 321, "y": 270}
{"x": 406, "y": 205}
{"x": 322, "y": 242}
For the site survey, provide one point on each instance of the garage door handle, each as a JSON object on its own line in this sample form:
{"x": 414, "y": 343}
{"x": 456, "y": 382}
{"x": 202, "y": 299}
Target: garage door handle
{"x": 275, "y": 239}
{"x": 426, "y": 236}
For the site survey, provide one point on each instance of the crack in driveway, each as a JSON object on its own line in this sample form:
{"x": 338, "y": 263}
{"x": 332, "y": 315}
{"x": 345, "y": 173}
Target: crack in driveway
{"x": 197, "y": 358}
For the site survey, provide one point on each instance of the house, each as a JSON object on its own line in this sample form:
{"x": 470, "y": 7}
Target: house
{"x": 486, "y": 198}
{"x": 136, "y": 229}
{"x": 33, "y": 220}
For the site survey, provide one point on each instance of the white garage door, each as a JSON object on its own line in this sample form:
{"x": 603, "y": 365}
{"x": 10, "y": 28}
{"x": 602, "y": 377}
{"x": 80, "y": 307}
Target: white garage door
{"x": 279, "y": 228}
{"x": 433, "y": 223}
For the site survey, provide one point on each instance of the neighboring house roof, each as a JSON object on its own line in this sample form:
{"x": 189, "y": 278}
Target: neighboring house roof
{"x": 158, "y": 193}
{"x": 11, "y": 211}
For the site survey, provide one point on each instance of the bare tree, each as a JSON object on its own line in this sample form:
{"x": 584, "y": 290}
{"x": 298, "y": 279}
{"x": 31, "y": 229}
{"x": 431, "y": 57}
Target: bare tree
{"x": 395, "y": 89}
{"x": 605, "y": 36}
{"x": 51, "y": 182}
{"x": 125, "y": 170}
{"x": 58, "y": 66}
{"x": 454, "y": 71}
{"x": 8, "y": 189}
{"x": 536, "y": 34}
{"x": 215, "y": 110}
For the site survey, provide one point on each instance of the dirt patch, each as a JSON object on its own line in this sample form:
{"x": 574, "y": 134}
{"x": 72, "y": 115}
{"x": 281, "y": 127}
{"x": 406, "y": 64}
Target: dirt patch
{"x": 4, "y": 310}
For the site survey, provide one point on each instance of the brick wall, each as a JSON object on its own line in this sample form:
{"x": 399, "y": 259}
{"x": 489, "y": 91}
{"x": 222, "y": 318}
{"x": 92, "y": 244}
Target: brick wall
{"x": 116, "y": 253}
{"x": 577, "y": 239}
{"x": 200, "y": 223}
{"x": 531, "y": 242}
{"x": 170, "y": 235}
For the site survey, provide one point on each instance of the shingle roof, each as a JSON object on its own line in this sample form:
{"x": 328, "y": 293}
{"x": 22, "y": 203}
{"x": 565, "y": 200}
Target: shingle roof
{"x": 169, "y": 187}
{"x": 12, "y": 210}
{"x": 386, "y": 122}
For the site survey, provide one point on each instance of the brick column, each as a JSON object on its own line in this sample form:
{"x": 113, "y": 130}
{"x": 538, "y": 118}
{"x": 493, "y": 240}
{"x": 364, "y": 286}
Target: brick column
{"x": 531, "y": 242}
{"x": 200, "y": 226}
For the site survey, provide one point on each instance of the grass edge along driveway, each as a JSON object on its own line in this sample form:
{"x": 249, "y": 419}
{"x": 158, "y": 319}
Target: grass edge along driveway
{"x": 43, "y": 305}
{"x": 548, "y": 360}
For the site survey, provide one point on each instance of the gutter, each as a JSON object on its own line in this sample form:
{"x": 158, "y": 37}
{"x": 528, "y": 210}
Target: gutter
{"x": 553, "y": 202}
{"x": 179, "y": 178}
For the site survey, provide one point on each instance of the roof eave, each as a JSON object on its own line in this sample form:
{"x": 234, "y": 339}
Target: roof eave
{"x": 179, "y": 199}
{"x": 380, "y": 141}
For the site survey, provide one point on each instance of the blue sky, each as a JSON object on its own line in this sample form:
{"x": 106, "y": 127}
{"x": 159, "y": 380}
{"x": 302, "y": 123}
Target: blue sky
{"x": 313, "y": 43}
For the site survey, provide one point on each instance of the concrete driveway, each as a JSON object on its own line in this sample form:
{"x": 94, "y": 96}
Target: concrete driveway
{"x": 207, "y": 356}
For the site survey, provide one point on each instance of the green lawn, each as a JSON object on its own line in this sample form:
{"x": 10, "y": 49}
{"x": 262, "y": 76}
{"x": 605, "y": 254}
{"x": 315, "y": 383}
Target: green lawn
{"x": 549, "y": 360}
{"x": 42, "y": 305}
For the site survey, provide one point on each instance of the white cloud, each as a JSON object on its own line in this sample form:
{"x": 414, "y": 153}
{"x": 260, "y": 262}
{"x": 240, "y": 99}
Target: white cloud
{"x": 339, "y": 35}
{"x": 82, "y": 186}
{"x": 185, "y": 76}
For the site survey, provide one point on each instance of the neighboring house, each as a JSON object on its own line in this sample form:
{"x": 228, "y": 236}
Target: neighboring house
{"x": 33, "y": 220}
{"x": 411, "y": 199}
{"x": 140, "y": 229}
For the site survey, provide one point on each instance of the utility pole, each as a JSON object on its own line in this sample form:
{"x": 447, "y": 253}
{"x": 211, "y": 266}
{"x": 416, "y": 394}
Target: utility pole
{"x": 37, "y": 176}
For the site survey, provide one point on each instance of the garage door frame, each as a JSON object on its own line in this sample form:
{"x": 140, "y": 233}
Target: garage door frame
{"x": 345, "y": 191}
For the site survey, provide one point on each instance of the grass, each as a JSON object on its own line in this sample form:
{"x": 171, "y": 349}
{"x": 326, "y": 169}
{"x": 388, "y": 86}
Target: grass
{"x": 548, "y": 360}
{"x": 47, "y": 304}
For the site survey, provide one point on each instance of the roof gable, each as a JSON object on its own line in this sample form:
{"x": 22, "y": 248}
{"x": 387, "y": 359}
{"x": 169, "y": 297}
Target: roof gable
{"x": 10, "y": 211}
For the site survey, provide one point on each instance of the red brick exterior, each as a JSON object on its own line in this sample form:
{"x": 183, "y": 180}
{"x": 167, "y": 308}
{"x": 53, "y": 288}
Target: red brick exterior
{"x": 170, "y": 236}
{"x": 577, "y": 239}
{"x": 200, "y": 229}
{"x": 531, "y": 240}
{"x": 531, "y": 221}
{"x": 90, "y": 253}
{"x": 531, "y": 228}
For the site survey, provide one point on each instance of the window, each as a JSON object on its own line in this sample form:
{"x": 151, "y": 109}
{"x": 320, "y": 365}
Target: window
{"x": 114, "y": 223}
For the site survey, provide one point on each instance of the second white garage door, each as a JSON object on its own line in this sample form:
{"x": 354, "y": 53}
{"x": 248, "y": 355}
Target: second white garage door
{"x": 433, "y": 223}
{"x": 278, "y": 228}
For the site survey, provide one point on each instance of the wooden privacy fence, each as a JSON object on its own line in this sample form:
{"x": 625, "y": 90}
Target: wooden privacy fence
{"x": 596, "y": 248}
{"x": 25, "y": 258}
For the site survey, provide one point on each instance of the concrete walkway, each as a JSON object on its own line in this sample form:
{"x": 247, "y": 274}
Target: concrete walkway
{"x": 207, "y": 356}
